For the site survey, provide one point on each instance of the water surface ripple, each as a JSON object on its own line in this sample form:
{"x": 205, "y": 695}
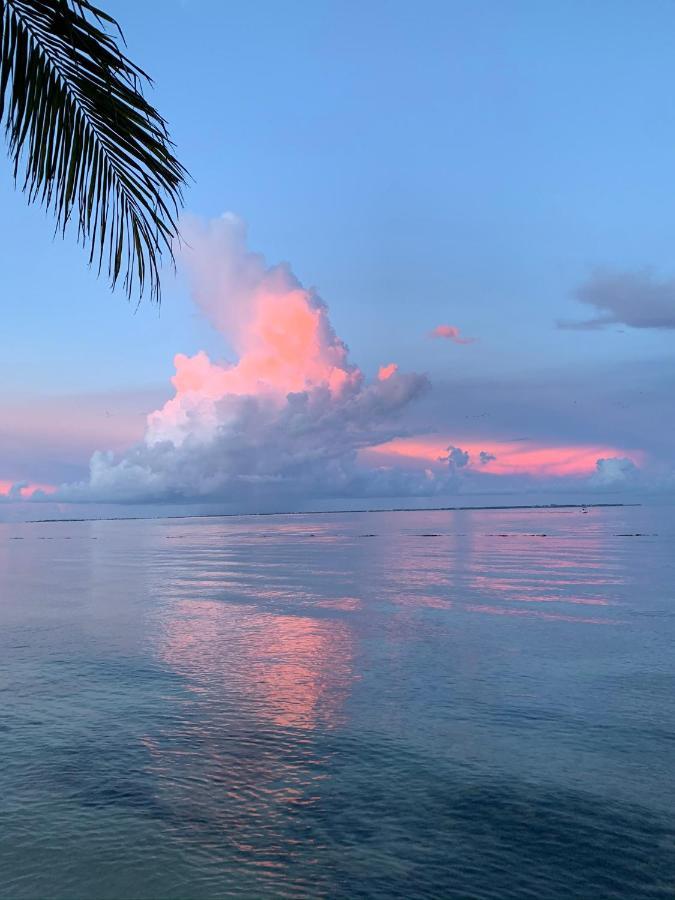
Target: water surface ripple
{"x": 471, "y": 704}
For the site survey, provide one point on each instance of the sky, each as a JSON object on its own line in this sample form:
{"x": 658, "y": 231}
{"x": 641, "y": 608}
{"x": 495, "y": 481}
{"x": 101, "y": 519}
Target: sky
{"x": 474, "y": 200}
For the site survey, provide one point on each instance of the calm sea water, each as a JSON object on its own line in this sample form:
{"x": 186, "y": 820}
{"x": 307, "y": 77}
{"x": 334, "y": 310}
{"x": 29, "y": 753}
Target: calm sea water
{"x": 441, "y": 704}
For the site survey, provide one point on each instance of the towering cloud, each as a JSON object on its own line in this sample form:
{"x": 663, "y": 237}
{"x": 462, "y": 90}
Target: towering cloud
{"x": 287, "y": 418}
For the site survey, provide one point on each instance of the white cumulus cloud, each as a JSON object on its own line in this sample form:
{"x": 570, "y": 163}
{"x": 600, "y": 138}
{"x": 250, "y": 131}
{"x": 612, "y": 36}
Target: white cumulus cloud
{"x": 286, "y": 419}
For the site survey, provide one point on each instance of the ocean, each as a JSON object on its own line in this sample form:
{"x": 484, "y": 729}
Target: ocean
{"x": 431, "y": 704}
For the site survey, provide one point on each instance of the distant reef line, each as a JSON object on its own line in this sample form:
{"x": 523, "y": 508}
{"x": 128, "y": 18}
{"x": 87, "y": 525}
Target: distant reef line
{"x": 335, "y": 512}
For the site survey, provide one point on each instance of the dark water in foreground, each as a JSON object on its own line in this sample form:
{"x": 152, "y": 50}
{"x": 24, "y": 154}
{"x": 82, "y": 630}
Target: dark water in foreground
{"x": 374, "y": 705}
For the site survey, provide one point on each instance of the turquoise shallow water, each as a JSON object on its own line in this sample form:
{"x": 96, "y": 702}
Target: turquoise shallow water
{"x": 472, "y": 704}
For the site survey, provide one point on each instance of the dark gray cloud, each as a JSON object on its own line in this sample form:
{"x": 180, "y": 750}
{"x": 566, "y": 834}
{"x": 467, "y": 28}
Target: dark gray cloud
{"x": 456, "y": 458}
{"x": 636, "y": 299}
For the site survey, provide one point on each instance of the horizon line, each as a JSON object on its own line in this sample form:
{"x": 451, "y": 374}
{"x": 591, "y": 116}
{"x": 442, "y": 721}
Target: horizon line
{"x": 329, "y": 512}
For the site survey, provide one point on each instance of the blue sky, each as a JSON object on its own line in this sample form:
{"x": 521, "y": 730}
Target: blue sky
{"x": 463, "y": 162}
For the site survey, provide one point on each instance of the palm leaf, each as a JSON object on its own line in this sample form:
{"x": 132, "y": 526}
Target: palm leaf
{"x": 83, "y": 139}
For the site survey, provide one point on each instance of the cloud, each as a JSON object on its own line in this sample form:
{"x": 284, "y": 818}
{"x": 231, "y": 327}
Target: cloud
{"x": 450, "y": 333}
{"x": 285, "y": 420}
{"x": 385, "y": 372}
{"x": 14, "y": 491}
{"x": 636, "y": 299}
{"x": 524, "y": 459}
{"x": 616, "y": 471}
{"x": 291, "y": 417}
{"x": 456, "y": 458}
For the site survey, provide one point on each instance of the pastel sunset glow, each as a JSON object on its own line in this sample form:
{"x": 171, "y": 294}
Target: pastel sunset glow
{"x": 331, "y": 330}
{"x": 501, "y": 458}
{"x": 337, "y": 450}
{"x": 279, "y": 414}
{"x": 21, "y": 490}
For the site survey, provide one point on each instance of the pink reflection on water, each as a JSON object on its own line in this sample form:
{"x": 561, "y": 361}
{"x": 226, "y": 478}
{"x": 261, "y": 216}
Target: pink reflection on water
{"x": 534, "y": 592}
{"x": 293, "y": 671}
{"x": 345, "y": 604}
{"x": 538, "y": 614}
{"x": 542, "y": 569}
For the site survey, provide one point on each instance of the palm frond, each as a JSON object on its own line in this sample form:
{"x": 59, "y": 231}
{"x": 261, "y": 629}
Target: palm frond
{"x": 84, "y": 140}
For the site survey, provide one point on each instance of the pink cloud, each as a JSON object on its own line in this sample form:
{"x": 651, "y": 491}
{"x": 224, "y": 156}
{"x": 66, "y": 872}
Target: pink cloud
{"x": 286, "y": 417}
{"x": 280, "y": 332}
{"x": 450, "y": 333}
{"x": 22, "y": 490}
{"x": 387, "y": 371}
{"x": 503, "y": 458}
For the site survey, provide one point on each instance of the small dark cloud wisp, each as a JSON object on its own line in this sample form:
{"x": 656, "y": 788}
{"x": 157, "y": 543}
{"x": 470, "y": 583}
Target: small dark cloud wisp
{"x": 636, "y": 299}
